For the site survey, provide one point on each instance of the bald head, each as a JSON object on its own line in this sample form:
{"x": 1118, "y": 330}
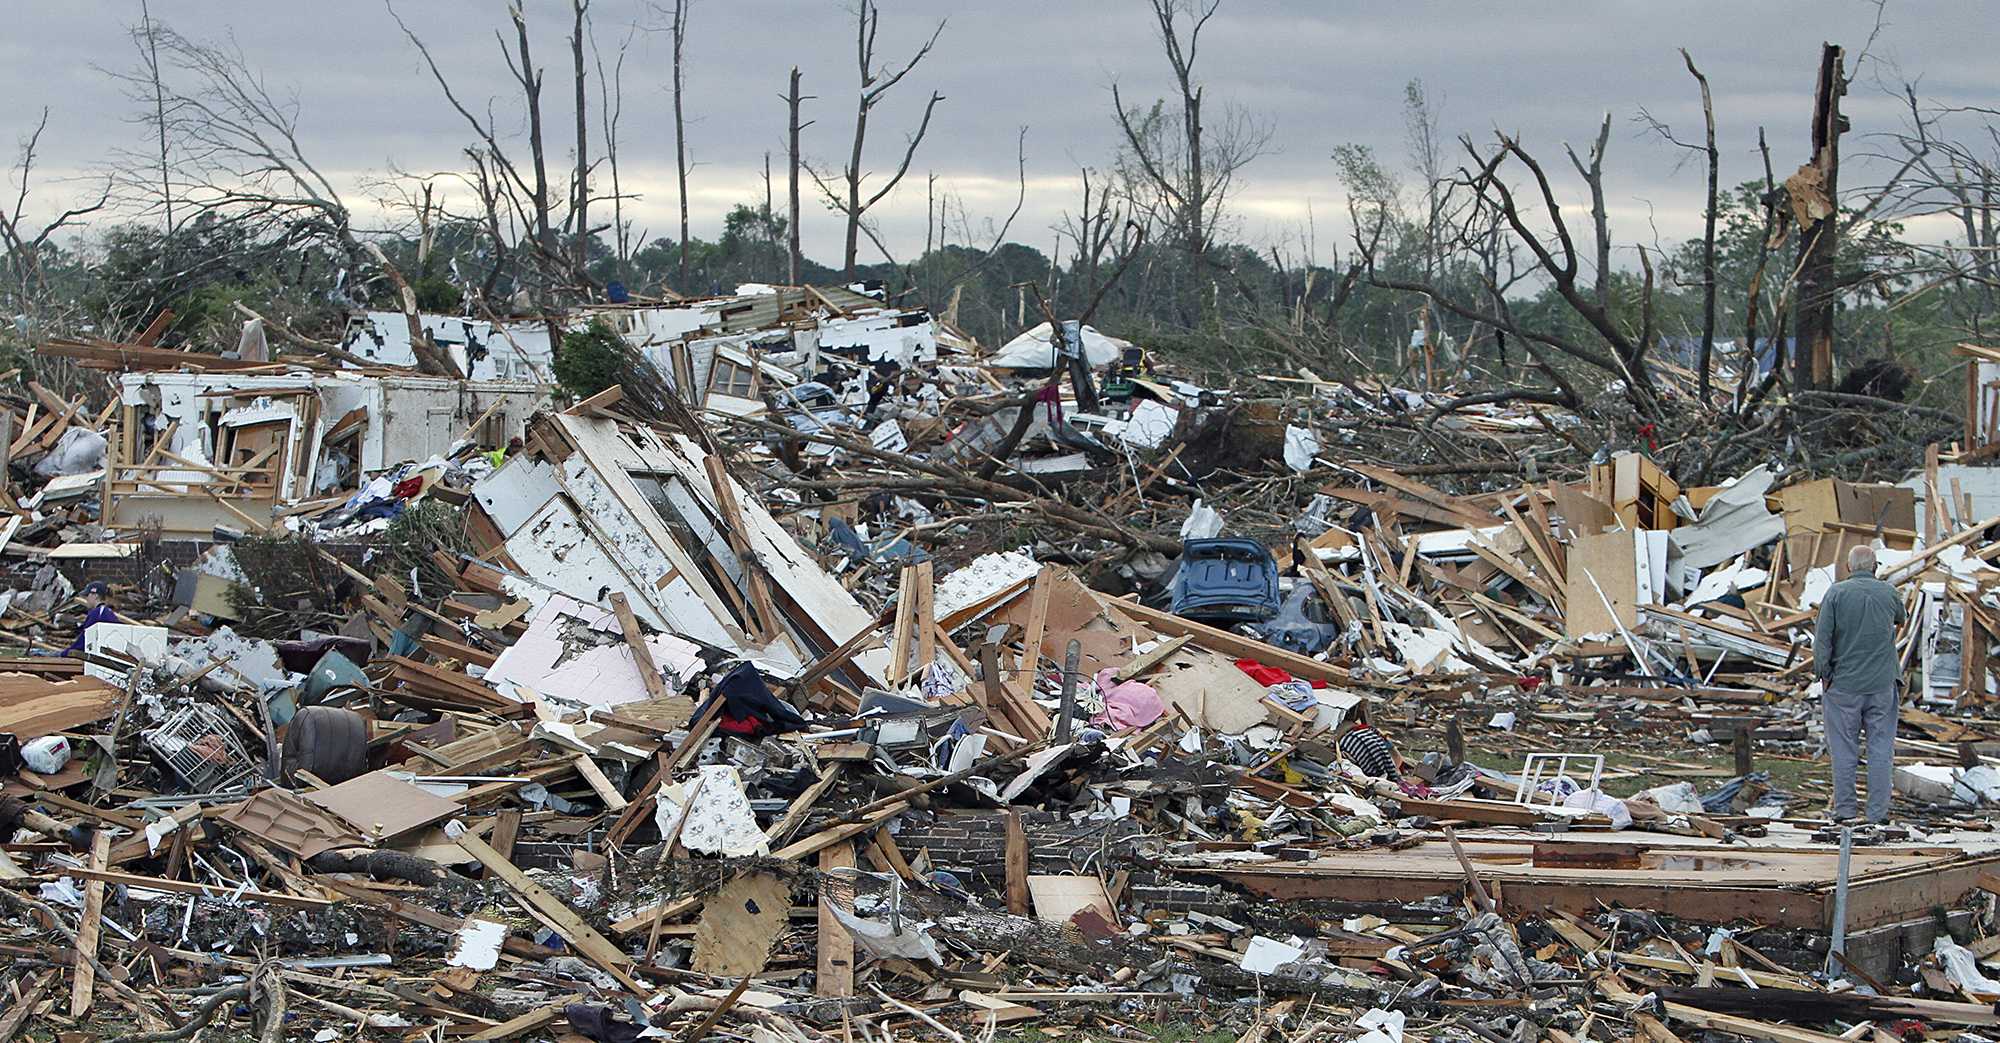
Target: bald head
{"x": 1861, "y": 561}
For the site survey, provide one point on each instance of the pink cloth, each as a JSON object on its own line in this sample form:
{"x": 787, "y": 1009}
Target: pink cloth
{"x": 1130, "y": 704}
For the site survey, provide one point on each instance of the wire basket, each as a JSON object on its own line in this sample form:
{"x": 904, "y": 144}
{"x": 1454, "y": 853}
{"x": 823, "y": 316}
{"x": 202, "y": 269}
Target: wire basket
{"x": 198, "y": 742}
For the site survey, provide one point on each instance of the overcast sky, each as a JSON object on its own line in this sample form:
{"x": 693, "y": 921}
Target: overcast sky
{"x": 1319, "y": 72}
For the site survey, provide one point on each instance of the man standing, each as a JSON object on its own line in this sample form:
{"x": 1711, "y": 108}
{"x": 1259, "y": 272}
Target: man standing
{"x": 1854, "y": 654}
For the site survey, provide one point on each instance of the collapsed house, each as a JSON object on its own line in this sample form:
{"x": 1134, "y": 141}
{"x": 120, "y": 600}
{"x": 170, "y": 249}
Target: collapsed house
{"x": 197, "y": 450}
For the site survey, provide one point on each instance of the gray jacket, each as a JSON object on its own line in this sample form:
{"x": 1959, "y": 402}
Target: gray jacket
{"x": 1854, "y": 647}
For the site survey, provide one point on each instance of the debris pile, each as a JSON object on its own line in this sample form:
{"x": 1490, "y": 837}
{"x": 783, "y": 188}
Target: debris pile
{"x": 459, "y": 714}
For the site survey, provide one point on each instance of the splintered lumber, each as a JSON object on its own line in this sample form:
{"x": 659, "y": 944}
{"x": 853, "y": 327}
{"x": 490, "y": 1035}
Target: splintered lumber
{"x": 1017, "y": 865}
{"x": 580, "y": 935}
{"x": 769, "y": 623}
{"x": 154, "y": 883}
{"x": 635, "y": 639}
{"x": 836, "y": 946}
{"x": 796, "y": 813}
{"x": 1749, "y": 1028}
{"x": 429, "y": 687}
{"x": 636, "y": 811}
{"x": 540, "y": 1017}
{"x": 658, "y": 912}
{"x": 835, "y": 834}
{"x": 22, "y": 1008}
{"x": 1151, "y": 659}
{"x": 1235, "y": 646}
{"x": 31, "y": 707}
{"x": 84, "y": 985}
{"x": 594, "y": 775}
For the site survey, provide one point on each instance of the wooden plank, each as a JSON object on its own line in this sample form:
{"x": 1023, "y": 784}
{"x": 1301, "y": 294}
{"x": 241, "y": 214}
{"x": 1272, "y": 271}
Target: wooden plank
{"x": 154, "y": 883}
{"x": 1749, "y": 1028}
{"x": 833, "y": 835}
{"x": 594, "y": 775}
{"x": 835, "y": 957}
{"x": 1235, "y": 646}
{"x": 769, "y": 623}
{"x": 540, "y": 1017}
{"x": 579, "y": 934}
{"x": 83, "y": 984}
{"x": 645, "y": 918}
{"x": 926, "y": 632}
{"x": 1017, "y": 865}
{"x": 1037, "y": 624}
{"x": 899, "y": 632}
{"x": 31, "y": 997}
{"x": 1151, "y": 659}
{"x": 635, "y": 639}
{"x": 506, "y": 826}
{"x": 796, "y": 813}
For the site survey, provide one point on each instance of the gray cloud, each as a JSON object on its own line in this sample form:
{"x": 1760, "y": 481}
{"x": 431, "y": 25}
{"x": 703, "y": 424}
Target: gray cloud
{"x": 1321, "y": 73}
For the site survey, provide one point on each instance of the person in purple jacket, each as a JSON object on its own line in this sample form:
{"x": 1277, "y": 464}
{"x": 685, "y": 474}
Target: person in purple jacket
{"x": 94, "y": 594}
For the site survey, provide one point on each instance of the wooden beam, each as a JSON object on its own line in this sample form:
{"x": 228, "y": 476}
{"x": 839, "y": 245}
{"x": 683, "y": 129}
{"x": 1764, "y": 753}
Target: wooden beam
{"x": 1235, "y": 646}
{"x": 835, "y": 946}
{"x": 83, "y": 985}
{"x": 1151, "y": 659}
{"x": 594, "y": 775}
{"x": 769, "y": 623}
{"x": 1017, "y": 865}
{"x": 575, "y": 931}
{"x": 635, "y": 639}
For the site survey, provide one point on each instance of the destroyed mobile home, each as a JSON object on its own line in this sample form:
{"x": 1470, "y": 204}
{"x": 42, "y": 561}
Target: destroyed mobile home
{"x": 425, "y": 707}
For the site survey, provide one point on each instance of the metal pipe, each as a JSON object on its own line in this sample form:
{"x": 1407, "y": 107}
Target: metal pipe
{"x": 1072, "y": 660}
{"x": 1838, "y": 948}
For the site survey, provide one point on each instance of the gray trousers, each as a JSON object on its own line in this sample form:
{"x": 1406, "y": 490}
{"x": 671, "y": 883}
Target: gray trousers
{"x": 1848, "y": 715}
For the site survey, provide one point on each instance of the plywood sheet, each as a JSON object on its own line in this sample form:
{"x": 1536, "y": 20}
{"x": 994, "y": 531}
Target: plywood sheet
{"x": 1610, "y": 559}
{"x": 381, "y": 805}
{"x": 740, "y": 923}
{"x": 1057, "y": 898}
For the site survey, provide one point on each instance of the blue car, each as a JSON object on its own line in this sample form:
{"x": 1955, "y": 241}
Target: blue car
{"x": 1225, "y": 580}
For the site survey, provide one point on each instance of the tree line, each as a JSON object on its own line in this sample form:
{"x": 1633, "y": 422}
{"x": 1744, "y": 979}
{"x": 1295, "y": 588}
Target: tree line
{"x": 1458, "y": 264}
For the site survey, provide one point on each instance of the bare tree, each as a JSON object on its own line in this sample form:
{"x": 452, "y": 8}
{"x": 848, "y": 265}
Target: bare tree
{"x": 875, "y": 82}
{"x": 1707, "y": 150}
{"x": 24, "y": 244}
{"x": 792, "y": 129}
{"x": 580, "y": 181}
{"x": 1708, "y": 229}
{"x": 149, "y": 41}
{"x": 1815, "y": 195}
{"x": 1190, "y": 170}
{"x": 1420, "y": 131}
{"x": 525, "y": 190}
{"x": 1600, "y": 220}
{"x": 241, "y": 163}
{"x": 677, "y": 29}
{"x": 610, "y": 109}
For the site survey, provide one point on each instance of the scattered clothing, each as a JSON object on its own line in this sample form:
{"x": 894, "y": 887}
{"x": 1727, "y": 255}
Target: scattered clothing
{"x": 1370, "y": 751}
{"x": 748, "y": 707}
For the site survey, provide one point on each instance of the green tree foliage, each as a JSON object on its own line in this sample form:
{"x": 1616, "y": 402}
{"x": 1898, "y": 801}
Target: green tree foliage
{"x": 588, "y": 360}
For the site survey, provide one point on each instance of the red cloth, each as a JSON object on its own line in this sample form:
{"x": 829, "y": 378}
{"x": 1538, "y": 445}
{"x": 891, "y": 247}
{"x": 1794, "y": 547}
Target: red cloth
{"x": 738, "y": 726}
{"x": 408, "y": 487}
{"x": 1269, "y": 675}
